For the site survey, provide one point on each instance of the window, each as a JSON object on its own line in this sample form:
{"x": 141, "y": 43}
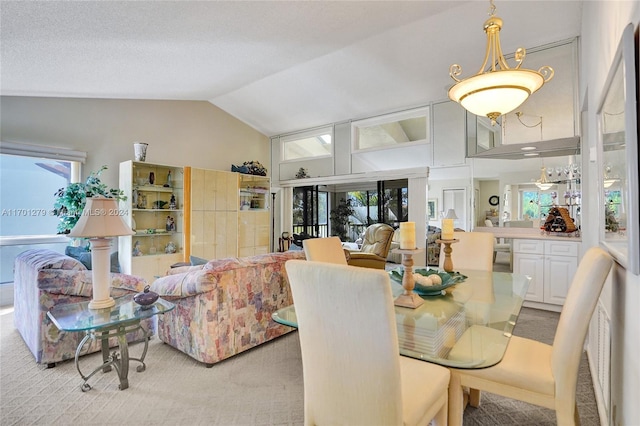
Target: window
{"x": 29, "y": 178}
{"x": 399, "y": 129}
{"x": 536, "y": 204}
{"x": 312, "y": 144}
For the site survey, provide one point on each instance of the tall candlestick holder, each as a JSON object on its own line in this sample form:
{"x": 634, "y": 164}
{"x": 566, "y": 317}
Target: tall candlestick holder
{"x": 448, "y": 263}
{"x": 408, "y": 299}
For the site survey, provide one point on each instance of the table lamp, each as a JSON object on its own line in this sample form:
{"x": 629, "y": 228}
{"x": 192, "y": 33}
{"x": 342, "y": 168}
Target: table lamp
{"x": 100, "y": 220}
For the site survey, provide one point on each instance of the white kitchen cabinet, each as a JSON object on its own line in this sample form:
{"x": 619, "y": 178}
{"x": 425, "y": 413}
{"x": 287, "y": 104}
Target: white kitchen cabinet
{"x": 551, "y": 265}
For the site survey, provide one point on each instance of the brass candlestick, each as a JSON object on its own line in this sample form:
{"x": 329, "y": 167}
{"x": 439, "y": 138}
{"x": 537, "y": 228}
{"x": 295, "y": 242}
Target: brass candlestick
{"x": 408, "y": 299}
{"x": 448, "y": 263}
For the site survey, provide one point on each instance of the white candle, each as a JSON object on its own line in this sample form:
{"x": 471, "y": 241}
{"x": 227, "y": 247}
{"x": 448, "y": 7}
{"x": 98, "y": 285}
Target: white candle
{"x": 407, "y": 235}
{"x": 447, "y": 229}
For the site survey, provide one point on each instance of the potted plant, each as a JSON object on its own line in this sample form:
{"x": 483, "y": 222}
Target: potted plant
{"x": 70, "y": 200}
{"x": 340, "y": 219}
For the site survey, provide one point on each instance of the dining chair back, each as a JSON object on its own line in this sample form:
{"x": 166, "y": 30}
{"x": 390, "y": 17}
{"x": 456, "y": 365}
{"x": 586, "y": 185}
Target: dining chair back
{"x": 352, "y": 370}
{"x": 534, "y": 372}
{"x": 474, "y": 250}
{"x": 325, "y": 250}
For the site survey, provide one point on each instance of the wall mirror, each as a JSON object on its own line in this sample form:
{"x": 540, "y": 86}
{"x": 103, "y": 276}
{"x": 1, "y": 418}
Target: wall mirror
{"x": 618, "y": 157}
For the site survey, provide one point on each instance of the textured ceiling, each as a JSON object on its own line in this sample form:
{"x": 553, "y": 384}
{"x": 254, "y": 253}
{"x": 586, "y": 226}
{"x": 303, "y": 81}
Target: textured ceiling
{"x": 278, "y": 66}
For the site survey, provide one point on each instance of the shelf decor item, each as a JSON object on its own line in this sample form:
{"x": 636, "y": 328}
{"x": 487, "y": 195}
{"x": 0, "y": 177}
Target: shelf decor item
{"x": 140, "y": 151}
{"x": 146, "y": 298}
{"x": 255, "y": 168}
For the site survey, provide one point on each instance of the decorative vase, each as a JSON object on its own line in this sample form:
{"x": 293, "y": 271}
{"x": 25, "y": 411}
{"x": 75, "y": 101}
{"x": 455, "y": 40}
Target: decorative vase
{"x": 146, "y": 298}
{"x": 140, "y": 151}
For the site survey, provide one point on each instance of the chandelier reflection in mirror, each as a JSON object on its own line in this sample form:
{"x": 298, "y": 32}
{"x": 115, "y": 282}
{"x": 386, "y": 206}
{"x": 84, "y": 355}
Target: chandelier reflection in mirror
{"x": 496, "y": 89}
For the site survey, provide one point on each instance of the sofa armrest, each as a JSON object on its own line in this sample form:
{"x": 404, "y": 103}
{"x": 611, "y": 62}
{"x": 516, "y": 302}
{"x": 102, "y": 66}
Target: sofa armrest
{"x": 189, "y": 283}
{"x": 80, "y": 283}
{"x": 367, "y": 260}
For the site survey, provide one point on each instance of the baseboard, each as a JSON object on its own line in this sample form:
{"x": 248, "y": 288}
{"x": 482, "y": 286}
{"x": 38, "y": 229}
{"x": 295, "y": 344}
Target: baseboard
{"x": 542, "y": 306}
{"x": 6, "y": 294}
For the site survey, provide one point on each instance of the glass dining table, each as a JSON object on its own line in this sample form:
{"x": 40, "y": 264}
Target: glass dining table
{"x": 469, "y": 326}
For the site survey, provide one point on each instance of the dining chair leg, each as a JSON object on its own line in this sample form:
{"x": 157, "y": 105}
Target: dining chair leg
{"x": 456, "y": 400}
{"x": 475, "y": 396}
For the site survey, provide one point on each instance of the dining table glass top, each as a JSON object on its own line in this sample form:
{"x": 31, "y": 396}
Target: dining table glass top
{"x": 467, "y": 327}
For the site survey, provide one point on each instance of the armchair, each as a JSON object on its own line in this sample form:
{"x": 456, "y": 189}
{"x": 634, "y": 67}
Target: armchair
{"x": 43, "y": 279}
{"x": 375, "y": 247}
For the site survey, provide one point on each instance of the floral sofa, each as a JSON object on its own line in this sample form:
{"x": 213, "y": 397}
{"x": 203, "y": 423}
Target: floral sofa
{"x": 224, "y": 307}
{"x": 43, "y": 279}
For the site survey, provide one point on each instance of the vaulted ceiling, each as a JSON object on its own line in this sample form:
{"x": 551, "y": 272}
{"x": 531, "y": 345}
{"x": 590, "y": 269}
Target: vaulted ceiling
{"x": 278, "y": 66}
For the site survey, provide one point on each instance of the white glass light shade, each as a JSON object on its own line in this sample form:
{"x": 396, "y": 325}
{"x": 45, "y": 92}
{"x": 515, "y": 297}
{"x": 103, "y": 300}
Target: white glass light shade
{"x": 544, "y": 186}
{"x": 496, "y": 93}
{"x": 543, "y": 183}
{"x": 101, "y": 217}
{"x": 451, "y": 214}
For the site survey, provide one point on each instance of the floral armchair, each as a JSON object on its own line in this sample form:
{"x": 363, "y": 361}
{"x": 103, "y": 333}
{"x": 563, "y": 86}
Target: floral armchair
{"x": 43, "y": 279}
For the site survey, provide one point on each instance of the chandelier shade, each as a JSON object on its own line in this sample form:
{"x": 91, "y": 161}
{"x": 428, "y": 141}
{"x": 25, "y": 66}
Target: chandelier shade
{"x": 496, "y": 89}
{"x": 543, "y": 183}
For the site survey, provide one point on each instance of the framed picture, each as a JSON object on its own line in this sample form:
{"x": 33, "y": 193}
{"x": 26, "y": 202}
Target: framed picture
{"x": 432, "y": 208}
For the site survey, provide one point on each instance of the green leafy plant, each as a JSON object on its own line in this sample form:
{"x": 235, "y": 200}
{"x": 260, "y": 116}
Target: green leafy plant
{"x": 70, "y": 200}
{"x": 340, "y": 219}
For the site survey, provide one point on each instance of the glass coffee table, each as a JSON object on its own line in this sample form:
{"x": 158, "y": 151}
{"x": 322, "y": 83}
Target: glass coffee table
{"x": 102, "y": 324}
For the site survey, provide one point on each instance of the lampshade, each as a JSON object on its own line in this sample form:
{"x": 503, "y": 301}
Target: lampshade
{"x": 451, "y": 214}
{"x": 496, "y": 89}
{"x": 101, "y": 217}
{"x": 543, "y": 183}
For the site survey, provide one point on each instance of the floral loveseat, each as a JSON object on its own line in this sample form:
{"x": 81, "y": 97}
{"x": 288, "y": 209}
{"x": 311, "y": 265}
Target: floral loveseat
{"x": 224, "y": 307}
{"x": 43, "y": 279}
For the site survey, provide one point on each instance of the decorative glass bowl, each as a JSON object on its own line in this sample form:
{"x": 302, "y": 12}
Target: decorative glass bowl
{"x": 448, "y": 279}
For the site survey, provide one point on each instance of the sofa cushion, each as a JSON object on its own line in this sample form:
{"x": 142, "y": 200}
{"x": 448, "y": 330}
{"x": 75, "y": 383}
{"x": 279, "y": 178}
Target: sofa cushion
{"x": 195, "y": 261}
{"x": 84, "y": 256}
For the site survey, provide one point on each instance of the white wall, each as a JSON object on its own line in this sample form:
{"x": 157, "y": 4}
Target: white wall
{"x": 602, "y": 26}
{"x": 181, "y": 133}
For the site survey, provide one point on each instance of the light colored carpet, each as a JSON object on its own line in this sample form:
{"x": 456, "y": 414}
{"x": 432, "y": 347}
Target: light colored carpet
{"x": 260, "y": 387}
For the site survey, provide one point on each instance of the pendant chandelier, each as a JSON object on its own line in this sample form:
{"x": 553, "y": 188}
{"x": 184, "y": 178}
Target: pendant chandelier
{"x": 543, "y": 183}
{"x": 496, "y": 89}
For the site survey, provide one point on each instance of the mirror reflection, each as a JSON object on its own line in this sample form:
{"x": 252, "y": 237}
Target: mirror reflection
{"x": 614, "y": 165}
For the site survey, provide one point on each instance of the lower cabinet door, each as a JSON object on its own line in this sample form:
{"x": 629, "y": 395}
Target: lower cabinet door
{"x": 559, "y": 272}
{"x": 533, "y": 266}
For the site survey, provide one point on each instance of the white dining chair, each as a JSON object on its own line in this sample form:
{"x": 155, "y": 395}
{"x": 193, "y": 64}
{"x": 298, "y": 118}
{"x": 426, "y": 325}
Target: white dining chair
{"x": 352, "y": 371}
{"x": 499, "y": 247}
{"x": 534, "y": 372}
{"x": 325, "y": 250}
{"x": 473, "y": 251}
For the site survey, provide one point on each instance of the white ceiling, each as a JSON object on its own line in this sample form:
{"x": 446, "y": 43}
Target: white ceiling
{"x": 278, "y": 66}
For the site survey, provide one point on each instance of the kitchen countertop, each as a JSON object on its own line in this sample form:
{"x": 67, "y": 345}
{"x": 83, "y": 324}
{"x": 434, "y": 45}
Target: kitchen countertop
{"x": 527, "y": 233}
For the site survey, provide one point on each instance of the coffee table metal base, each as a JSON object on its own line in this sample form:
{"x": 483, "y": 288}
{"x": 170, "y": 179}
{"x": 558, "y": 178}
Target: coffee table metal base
{"x": 118, "y": 359}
